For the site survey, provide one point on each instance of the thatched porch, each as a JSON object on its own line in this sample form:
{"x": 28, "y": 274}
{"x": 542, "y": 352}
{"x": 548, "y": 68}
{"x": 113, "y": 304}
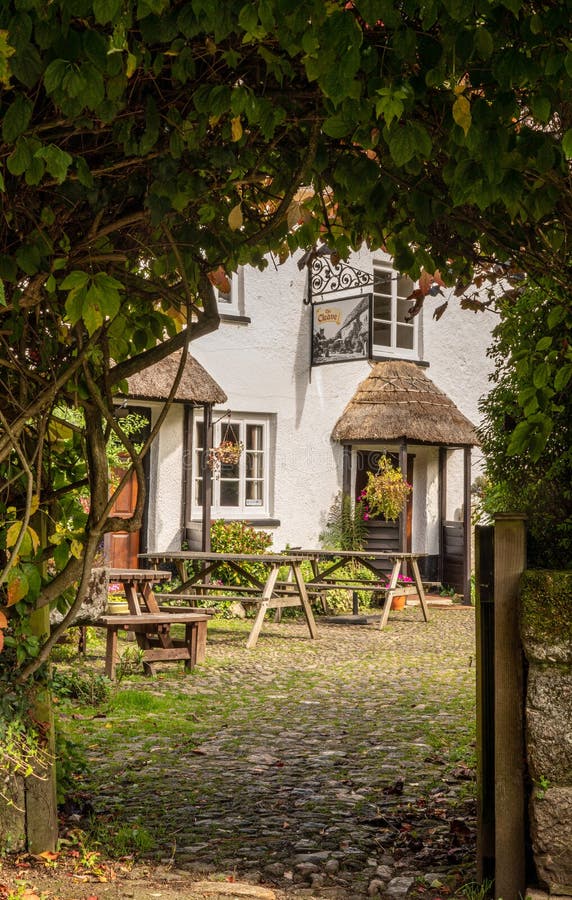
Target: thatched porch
{"x": 399, "y": 410}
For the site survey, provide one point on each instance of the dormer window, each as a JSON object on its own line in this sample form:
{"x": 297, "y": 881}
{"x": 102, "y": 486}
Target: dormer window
{"x": 393, "y": 335}
{"x": 229, "y": 302}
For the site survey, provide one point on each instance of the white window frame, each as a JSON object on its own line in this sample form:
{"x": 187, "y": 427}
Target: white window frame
{"x": 393, "y": 350}
{"x": 229, "y": 304}
{"x": 243, "y": 510}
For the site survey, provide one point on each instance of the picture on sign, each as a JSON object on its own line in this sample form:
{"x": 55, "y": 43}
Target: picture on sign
{"x": 341, "y": 330}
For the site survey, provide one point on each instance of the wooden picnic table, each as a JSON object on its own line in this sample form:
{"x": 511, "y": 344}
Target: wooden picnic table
{"x": 152, "y": 624}
{"x": 333, "y": 569}
{"x": 267, "y": 593}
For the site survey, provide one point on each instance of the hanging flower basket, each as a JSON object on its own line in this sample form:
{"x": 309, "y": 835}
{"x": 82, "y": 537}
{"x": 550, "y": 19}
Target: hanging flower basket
{"x": 386, "y": 491}
{"x": 227, "y": 453}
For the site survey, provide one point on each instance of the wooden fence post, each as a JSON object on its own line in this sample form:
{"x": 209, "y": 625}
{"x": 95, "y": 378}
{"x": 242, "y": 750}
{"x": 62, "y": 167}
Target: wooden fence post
{"x": 509, "y": 563}
{"x": 485, "y": 655}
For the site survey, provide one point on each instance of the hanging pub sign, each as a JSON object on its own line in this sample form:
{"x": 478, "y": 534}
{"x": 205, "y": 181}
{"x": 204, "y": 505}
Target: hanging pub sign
{"x": 341, "y": 329}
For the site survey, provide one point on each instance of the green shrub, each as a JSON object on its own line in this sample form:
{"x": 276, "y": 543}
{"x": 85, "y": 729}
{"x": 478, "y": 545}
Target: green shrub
{"x": 239, "y": 537}
{"x": 526, "y": 435}
{"x": 345, "y": 525}
{"x": 86, "y": 687}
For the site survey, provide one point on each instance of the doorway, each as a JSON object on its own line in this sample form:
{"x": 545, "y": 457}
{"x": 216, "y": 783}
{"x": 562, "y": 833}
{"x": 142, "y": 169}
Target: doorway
{"x": 122, "y": 548}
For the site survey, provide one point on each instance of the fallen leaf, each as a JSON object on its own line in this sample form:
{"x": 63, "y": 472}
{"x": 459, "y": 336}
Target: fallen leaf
{"x": 49, "y": 855}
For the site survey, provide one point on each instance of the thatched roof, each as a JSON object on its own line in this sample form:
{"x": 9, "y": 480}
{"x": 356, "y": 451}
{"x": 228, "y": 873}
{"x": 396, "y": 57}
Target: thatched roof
{"x": 398, "y": 402}
{"x": 196, "y": 385}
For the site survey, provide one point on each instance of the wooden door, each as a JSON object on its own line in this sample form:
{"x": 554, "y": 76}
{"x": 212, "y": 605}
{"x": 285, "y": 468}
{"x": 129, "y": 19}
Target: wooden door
{"x": 384, "y": 535}
{"x": 122, "y": 547}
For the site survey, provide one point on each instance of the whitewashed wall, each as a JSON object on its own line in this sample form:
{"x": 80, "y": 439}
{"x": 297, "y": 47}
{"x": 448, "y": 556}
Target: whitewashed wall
{"x": 264, "y": 366}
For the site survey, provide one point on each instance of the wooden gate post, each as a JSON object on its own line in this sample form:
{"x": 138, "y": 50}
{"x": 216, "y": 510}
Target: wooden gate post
{"x": 485, "y": 655}
{"x": 509, "y": 563}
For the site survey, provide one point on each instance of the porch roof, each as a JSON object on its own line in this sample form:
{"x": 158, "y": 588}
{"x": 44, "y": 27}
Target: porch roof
{"x": 397, "y": 401}
{"x": 196, "y": 385}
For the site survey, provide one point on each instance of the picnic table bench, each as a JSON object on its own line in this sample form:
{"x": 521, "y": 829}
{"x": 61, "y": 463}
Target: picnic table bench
{"x": 152, "y": 624}
{"x": 264, "y": 590}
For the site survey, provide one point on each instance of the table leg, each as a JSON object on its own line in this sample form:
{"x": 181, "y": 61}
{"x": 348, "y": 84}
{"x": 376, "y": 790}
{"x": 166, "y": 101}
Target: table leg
{"x": 305, "y": 601}
{"x": 132, "y": 599}
{"x": 111, "y": 652}
{"x": 149, "y": 597}
{"x": 419, "y": 586}
{"x": 262, "y": 609}
{"x": 196, "y": 641}
{"x": 390, "y": 592}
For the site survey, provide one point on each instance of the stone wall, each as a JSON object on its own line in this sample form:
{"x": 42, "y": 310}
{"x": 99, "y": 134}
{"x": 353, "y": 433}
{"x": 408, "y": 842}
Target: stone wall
{"x": 546, "y": 628}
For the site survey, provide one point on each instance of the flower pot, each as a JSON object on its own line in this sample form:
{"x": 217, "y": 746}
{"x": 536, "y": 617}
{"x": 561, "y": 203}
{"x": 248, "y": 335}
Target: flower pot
{"x": 398, "y": 601}
{"x": 117, "y": 607}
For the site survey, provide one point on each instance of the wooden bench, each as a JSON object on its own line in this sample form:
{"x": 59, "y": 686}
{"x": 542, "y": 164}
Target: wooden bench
{"x": 153, "y": 634}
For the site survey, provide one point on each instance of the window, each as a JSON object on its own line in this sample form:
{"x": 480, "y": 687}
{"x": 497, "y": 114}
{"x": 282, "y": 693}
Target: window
{"x": 240, "y": 489}
{"x": 228, "y": 301}
{"x": 393, "y": 335}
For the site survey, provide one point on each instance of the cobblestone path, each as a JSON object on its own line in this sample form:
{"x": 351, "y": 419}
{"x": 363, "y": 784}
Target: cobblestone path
{"x": 341, "y": 767}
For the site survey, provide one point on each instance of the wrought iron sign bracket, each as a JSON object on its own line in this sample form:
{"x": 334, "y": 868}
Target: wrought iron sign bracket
{"x": 326, "y": 278}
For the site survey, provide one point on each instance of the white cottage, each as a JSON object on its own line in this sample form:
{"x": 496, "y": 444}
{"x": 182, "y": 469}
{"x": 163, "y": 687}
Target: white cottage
{"x": 291, "y": 358}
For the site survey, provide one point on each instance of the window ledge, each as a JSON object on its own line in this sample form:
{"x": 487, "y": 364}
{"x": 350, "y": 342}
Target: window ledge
{"x": 417, "y": 362}
{"x": 235, "y": 319}
{"x": 257, "y": 523}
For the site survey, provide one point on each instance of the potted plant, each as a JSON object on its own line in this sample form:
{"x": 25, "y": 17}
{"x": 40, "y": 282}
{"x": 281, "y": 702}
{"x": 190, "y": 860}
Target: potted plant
{"x": 386, "y": 491}
{"x": 398, "y": 600}
{"x": 116, "y": 603}
{"x": 227, "y": 453}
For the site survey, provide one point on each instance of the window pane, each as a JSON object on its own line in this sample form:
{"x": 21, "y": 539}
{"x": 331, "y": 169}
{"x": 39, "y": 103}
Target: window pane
{"x": 229, "y": 470}
{"x": 381, "y": 334}
{"x": 254, "y": 465}
{"x": 254, "y": 493}
{"x": 382, "y": 308}
{"x": 403, "y": 307}
{"x": 198, "y": 491}
{"x": 199, "y": 434}
{"x": 254, "y": 437}
{"x": 230, "y": 432}
{"x": 404, "y": 286}
{"x": 405, "y": 336}
{"x": 382, "y": 281}
{"x": 229, "y": 493}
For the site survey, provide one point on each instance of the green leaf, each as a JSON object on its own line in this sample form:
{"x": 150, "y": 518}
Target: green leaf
{"x": 76, "y": 279}
{"x": 462, "y": 112}
{"x": 55, "y": 74}
{"x": 567, "y": 144}
{"x": 106, "y": 10}
{"x": 483, "y": 42}
{"x": 20, "y": 158}
{"x": 16, "y": 118}
{"x": 519, "y": 438}
{"x": 29, "y": 259}
{"x": 74, "y": 305}
{"x": 541, "y": 108}
{"x": 84, "y": 175}
{"x": 562, "y": 377}
{"x": 544, "y": 343}
{"x": 541, "y": 375}
{"x": 57, "y": 161}
{"x": 402, "y": 144}
{"x": 92, "y": 313}
{"x": 337, "y": 127}
{"x": 61, "y": 555}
